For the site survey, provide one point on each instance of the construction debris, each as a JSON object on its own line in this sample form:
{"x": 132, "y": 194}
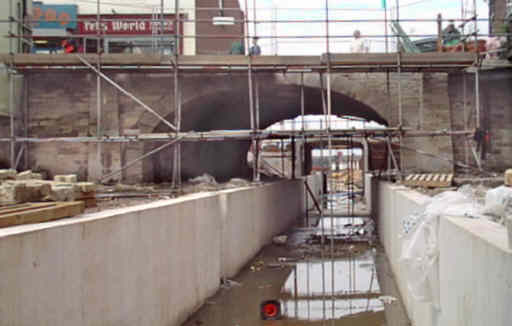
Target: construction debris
{"x": 205, "y": 178}
{"x": 386, "y": 299}
{"x": 280, "y": 240}
{"x": 237, "y": 183}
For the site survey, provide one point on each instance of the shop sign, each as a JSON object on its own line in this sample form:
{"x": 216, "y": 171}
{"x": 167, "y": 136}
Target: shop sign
{"x": 54, "y": 16}
{"x": 123, "y": 25}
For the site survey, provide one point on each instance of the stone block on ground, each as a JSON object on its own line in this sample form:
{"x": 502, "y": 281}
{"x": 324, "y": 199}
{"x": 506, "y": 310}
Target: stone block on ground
{"x": 8, "y": 174}
{"x": 86, "y": 187}
{"x": 28, "y": 175}
{"x": 62, "y": 192}
{"x": 508, "y": 178}
{"x": 69, "y": 178}
{"x": 13, "y": 193}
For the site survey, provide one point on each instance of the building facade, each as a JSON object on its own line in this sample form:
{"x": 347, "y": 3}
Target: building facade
{"x": 206, "y": 27}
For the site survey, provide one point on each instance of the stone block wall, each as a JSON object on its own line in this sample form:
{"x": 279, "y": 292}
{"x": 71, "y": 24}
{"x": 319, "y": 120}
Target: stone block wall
{"x": 65, "y": 105}
{"x": 495, "y": 115}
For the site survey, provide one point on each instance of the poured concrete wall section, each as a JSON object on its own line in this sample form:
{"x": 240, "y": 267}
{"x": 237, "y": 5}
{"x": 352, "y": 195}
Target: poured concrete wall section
{"x": 392, "y": 203}
{"x": 476, "y": 273}
{"x": 153, "y": 264}
{"x": 474, "y": 269}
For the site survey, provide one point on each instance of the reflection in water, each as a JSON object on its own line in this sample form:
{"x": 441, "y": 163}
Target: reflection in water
{"x": 317, "y": 310}
{"x": 314, "y": 287}
{"x": 308, "y": 292}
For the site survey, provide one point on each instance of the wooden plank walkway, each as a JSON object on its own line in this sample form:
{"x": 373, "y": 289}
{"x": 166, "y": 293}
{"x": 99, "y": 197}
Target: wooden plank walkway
{"x": 207, "y": 63}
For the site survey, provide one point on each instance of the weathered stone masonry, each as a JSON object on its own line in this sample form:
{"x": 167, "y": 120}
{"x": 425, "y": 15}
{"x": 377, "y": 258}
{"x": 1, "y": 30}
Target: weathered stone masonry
{"x": 64, "y": 105}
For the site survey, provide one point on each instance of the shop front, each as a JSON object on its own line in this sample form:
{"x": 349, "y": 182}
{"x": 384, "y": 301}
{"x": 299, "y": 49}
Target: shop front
{"x": 128, "y": 33}
{"x": 51, "y": 26}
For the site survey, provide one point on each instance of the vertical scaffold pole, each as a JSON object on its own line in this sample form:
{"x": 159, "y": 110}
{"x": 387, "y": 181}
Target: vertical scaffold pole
{"x": 25, "y": 120}
{"x": 400, "y": 106}
{"x": 11, "y": 92}
{"x": 257, "y": 122}
{"x": 98, "y": 90}
{"x": 177, "y": 98}
{"x": 162, "y": 30}
{"x": 11, "y": 20}
{"x": 11, "y": 118}
{"x": 328, "y": 124}
{"x": 477, "y": 72}
{"x": 251, "y": 98}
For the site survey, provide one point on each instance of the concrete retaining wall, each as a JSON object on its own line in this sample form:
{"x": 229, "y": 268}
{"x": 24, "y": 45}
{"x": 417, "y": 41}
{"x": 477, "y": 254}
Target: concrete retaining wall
{"x": 475, "y": 263}
{"x": 152, "y": 264}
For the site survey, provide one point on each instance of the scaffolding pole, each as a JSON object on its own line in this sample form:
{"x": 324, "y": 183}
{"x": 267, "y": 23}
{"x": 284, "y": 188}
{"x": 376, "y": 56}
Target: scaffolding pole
{"x": 11, "y": 121}
{"x": 11, "y": 93}
{"x": 99, "y": 132}
{"x": 257, "y": 122}
{"x": 176, "y": 170}
{"x": 25, "y": 120}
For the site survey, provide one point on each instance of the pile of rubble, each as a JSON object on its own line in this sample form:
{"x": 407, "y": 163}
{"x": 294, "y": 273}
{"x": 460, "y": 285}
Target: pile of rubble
{"x": 24, "y": 187}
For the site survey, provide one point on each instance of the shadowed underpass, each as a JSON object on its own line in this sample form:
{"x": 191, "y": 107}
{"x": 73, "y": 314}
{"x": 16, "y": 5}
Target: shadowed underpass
{"x": 227, "y": 110}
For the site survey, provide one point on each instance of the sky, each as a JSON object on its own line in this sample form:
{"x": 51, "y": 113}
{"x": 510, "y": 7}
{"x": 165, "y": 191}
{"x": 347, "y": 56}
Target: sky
{"x": 315, "y": 10}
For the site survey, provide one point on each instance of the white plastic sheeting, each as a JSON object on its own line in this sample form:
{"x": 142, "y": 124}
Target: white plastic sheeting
{"x": 420, "y": 250}
{"x": 498, "y": 202}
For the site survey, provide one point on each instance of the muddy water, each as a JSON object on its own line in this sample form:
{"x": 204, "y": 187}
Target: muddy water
{"x": 346, "y": 284}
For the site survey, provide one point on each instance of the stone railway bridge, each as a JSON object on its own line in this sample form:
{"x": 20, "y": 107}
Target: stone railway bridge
{"x": 62, "y": 103}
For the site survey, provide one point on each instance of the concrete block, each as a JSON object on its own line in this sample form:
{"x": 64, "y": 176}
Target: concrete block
{"x": 8, "y": 174}
{"x": 508, "y": 177}
{"x": 70, "y": 178}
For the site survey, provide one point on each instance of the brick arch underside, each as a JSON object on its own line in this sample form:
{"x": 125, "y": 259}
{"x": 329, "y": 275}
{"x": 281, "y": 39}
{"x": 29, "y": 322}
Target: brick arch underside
{"x": 228, "y": 108}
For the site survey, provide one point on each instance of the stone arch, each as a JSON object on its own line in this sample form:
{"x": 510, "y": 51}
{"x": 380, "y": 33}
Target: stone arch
{"x": 227, "y": 107}
{"x": 371, "y": 90}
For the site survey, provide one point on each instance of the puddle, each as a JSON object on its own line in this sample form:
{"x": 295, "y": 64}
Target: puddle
{"x": 342, "y": 284}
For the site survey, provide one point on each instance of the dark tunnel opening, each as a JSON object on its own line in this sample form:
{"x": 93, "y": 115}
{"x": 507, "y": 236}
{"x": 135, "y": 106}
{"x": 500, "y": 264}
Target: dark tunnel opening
{"x": 229, "y": 110}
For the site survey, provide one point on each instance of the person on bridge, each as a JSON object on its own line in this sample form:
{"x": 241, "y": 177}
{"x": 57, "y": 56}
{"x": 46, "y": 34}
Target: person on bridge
{"x": 358, "y": 44}
{"x": 69, "y": 44}
{"x": 451, "y": 35}
{"x": 255, "y": 48}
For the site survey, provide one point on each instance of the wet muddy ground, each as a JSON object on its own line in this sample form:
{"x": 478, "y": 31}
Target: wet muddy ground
{"x": 337, "y": 283}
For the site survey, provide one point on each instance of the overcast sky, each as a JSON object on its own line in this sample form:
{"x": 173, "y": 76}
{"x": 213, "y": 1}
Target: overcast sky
{"x": 315, "y": 10}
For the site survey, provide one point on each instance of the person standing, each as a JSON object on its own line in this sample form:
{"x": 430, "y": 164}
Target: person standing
{"x": 255, "y": 48}
{"x": 69, "y": 44}
{"x": 358, "y": 44}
